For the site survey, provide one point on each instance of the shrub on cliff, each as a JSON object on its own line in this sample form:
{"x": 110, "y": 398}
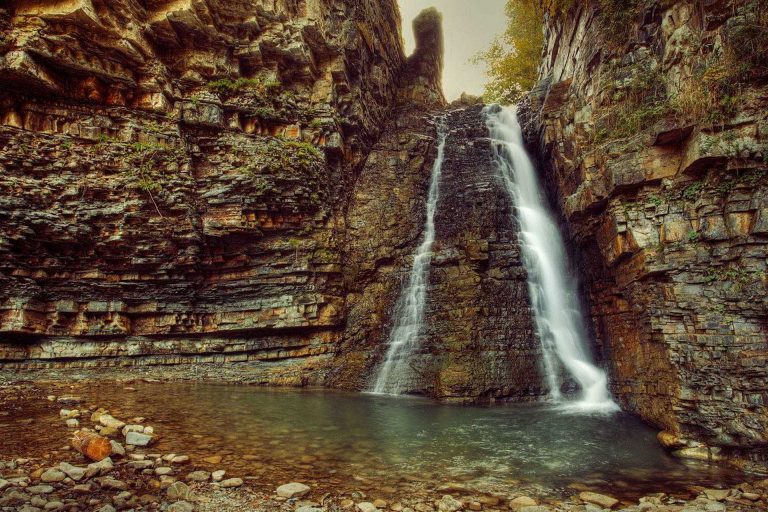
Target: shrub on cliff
{"x": 513, "y": 58}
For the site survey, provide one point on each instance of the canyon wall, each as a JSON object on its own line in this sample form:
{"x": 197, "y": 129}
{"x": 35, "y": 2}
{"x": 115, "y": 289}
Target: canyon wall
{"x": 175, "y": 174}
{"x": 239, "y": 186}
{"x": 651, "y": 122}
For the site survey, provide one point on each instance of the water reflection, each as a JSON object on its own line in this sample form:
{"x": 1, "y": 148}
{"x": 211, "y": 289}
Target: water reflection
{"x": 344, "y": 438}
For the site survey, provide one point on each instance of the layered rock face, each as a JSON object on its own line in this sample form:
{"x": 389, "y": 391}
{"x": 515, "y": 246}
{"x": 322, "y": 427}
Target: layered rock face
{"x": 656, "y": 148}
{"x": 175, "y": 174}
{"x": 477, "y": 340}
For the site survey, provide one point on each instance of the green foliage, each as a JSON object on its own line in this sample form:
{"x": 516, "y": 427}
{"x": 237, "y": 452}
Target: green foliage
{"x": 278, "y": 156}
{"x": 639, "y": 101}
{"x": 513, "y": 58}
{"x": 67, "y": 144}
{"x": 693, "y": 236}
{"x": 227, "y": 86}
{"x": 656, "y": 200}
{"x": 692, "y": 191}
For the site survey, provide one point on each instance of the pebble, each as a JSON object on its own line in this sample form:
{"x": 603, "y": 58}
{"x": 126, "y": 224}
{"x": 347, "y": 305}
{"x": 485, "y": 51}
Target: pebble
{"x": 232, "y": 482}
{"x": 218, "y": 476}
{"x": 52, "y": 475}
{"x": 132, "y": 428}
{"x": 73, "y": 423}
{"x": 366, "y": 506}
{"x": 522, "y": 501}
{"x": 73, "y": 472}
{"x": 179, "y": 491}
{"x": 181, "y": 506}
{"x": 138, "y": 439}
{"x": 292, "y": 490}
{"x": 180, "y": 459}
{"x": 717, "y": 494}
{"x": 380, "y": 503}
{"x": 117, "y": 448}
{"x": 449, "y": 504}
{"x": 102, "y": 467}
{"x": 600, "y": 500}
{"x": 40, "y": 489}
{"x": 110, "y": 422}
{"x": 198, "y": 476}
{"x": 213, "y": 459}
{"x": 4, "y": 484}
{"x": 164, "y": 470}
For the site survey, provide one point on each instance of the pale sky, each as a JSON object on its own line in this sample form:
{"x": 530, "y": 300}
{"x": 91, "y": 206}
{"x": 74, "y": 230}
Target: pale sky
{"x": 469, "y": 27}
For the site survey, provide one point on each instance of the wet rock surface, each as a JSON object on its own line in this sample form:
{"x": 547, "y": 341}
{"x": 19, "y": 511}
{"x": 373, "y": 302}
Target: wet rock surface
{"x": 665, "y": 216}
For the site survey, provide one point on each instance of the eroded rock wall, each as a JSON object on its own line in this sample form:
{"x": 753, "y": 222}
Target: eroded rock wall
{"x": 174, "y": 176}
{"x": 654, "y": 138}
{"x": 478, "y": 341}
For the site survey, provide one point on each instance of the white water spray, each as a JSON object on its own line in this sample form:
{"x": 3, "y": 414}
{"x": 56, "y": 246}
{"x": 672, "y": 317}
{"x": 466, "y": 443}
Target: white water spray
{"x": 394, "y": 374}
{"x": 558, "y": 316}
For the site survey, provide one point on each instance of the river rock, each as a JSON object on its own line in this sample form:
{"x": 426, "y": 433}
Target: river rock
{"x": 163, "y": 470}
{"x": 74, "y": 472}
{"x": 109, "y": 482}
{"x": 292, "y": 490}
{"x": 522, "y": 501}
{"x": 366, "y": 507}
{"x": 4, "y": 484}
{"x": 232, "y": 482}
{"x": 180, "y": 459}
{"x": 109, "y": 421}
{"x": 39, "y": 489}
{"x": 137, "y": 439}
{"x": 449, "y": 504}
{"x": 181, "y": 506}
{"x": 72, "y": 423}
{"x": 117, "y": 448}
{"x": 717, "y": 494}
{"x": 52, "y": 475}
{"x": 218, "y": 476}
{"x": 102, "y": 467}
{"x": 132, "y": 428}
{"x": 600, "y": 500}
{"x": 213, "y": 459}
{"x": 179, "y": 491}
{"x": 198, "y": 476}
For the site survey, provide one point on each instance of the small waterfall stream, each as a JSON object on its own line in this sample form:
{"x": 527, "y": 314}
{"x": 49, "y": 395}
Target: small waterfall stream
{"x": 394, "y": 373}
{"x": 558, "y": 316}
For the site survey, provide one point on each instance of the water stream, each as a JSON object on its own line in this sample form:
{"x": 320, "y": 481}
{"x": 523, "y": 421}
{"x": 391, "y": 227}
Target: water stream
{"x": 395, "y": 373}
{"x": 557, "y": 313}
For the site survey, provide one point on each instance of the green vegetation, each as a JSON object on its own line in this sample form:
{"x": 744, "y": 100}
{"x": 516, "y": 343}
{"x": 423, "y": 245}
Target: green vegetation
{"x": 692, "y": 191}
{"x": 513, "y": 58}
{"x": 228, "y": 86}
{"x": 638, "y": 101}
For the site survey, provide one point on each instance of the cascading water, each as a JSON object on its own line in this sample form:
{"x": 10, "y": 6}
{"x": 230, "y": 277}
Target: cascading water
{"x": 558, "y": 316}
{"x": 393, "y": 375}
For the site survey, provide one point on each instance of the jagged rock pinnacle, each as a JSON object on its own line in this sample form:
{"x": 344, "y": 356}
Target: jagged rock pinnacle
{"x": 424, "y": 69}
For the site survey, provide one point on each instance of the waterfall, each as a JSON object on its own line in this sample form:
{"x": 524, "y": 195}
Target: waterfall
{"x": 558, "y": 317}
{"x": 394, "y": 373}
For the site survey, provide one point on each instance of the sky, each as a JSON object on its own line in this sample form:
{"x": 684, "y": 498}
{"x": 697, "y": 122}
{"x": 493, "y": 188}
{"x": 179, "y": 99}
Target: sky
{"x": 469, "y": 27}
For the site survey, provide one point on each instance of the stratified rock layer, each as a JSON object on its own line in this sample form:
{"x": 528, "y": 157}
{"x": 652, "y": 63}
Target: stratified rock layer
{"x": 666, "y": 208}
{"x": 478, "y": 340}
{"x": 174, "y": 177}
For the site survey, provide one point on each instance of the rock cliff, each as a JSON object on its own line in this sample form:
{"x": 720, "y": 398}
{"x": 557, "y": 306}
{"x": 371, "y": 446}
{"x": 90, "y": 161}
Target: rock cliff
{"x": 175, "y": 176}
{"x": 651, "y": 121}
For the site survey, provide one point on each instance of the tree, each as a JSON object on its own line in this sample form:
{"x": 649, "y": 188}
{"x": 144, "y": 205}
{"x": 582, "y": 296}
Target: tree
{"x": 513, "y": 58}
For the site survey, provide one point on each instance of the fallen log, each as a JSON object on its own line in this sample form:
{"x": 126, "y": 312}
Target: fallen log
{"x": 92, "y": 445}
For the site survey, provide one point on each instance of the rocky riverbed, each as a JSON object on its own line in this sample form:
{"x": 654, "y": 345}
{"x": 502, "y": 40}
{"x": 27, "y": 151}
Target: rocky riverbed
{"x": 143, "y": 474}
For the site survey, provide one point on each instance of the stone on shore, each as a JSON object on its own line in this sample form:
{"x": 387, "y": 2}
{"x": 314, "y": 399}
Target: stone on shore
{"x": 292, "y": 490}
{"x": 74, "y": 472}
{"x": 522, "y": 501}
{"x": 198, "y": 476}
{"x": 181, "y": 506}
{"x": 600, "y": 500}
{"x": 366, "y": 507}
{"x": 449, "y": 504}
{"x": 137, "y": 439}
{"x": 109, "y": 421}
{"x": 231, "y": 482}
{"x": 52, "y": 475}
{"x": 179, "y": 491}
